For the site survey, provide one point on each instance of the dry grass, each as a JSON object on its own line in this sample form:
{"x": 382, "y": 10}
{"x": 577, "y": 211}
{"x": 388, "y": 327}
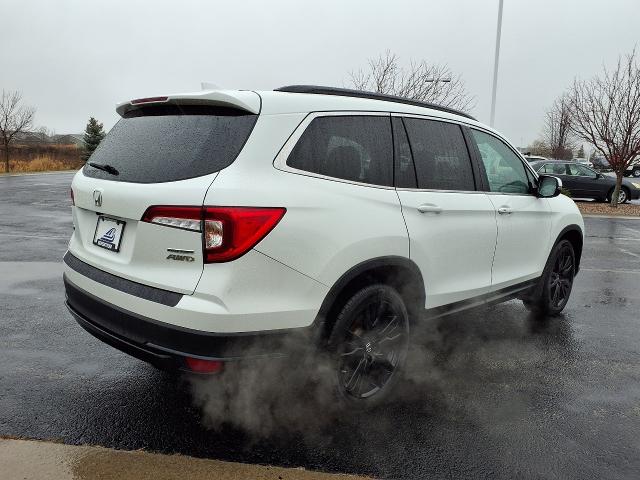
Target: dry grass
{"x": 595, "y": 208}
{"x": 43, "y": 157}
{"x": 40, "y": 164}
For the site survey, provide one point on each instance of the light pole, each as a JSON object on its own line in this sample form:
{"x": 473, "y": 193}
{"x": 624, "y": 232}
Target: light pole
{"x": 495, "y": 65}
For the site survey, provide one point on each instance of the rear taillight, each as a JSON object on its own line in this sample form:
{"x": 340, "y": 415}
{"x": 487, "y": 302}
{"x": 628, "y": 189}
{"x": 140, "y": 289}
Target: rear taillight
{"x": 228, "y": 233}
{"x": 187, "y": 218}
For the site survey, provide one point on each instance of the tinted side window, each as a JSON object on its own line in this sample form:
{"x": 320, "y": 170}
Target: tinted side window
{"x": 440, "y": 154}
{"x": 579, "y": 171}
{"x": 405, "y": 172}
{"x": 504, "y": 168}
{"x": 356, "y": 148}
{"x": 555, "y": 169}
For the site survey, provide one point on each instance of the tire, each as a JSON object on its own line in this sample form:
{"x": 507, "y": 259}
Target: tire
{"x": 552, "y": 293}
{"x": 623, "y": 196}
{"x": 368, "y": 346}
{"x": 636, "y": 172}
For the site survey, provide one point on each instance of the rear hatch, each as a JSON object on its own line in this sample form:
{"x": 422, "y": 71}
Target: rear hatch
{"x": 161, "y": 153}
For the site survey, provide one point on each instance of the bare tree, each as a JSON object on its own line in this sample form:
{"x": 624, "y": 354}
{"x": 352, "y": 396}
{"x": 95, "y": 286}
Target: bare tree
{"x": 540, "y": 148}
{"x": 44, "y": 134}
{"x": 420, "y": 81}
{"x": 605, "y": 111}
{"x": 557, "y": 130}
{"x": 14, "y": 119}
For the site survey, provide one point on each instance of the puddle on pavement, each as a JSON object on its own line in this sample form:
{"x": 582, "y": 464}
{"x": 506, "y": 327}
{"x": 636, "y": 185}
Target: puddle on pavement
{"x": 18, "y": 278}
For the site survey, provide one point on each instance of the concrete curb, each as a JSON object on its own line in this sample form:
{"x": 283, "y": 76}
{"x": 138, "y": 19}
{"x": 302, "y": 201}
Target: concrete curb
{"x": 620, "y": 217}
{"x": 30, "y": 459}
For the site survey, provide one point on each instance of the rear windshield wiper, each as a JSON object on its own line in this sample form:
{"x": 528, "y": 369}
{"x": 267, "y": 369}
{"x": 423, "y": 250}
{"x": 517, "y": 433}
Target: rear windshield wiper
{"x": 105, "y": 168}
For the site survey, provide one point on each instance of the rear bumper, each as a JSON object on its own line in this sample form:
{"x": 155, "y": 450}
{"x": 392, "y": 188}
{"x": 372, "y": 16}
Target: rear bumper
{"x": 167, "y": 346}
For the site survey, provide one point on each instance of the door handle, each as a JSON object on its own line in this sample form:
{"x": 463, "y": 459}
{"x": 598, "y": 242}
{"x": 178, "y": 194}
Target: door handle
{"x": 429, "y": 208}
{"x": 505, "y": 210}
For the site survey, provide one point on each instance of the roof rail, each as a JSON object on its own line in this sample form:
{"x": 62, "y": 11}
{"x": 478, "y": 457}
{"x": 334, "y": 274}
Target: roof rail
{"x": 348, "y": 92}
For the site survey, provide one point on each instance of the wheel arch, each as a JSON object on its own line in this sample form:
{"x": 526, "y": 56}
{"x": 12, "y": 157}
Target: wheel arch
{"x": 574, "y": 234}
{"x": 399, "y": 272}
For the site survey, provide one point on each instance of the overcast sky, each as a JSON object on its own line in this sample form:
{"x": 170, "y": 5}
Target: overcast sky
{"x": 75, "y": 59}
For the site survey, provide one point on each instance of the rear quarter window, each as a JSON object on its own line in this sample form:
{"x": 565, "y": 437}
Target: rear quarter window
{"x": 170, "y": 143}
{"x": 357, "y": 148}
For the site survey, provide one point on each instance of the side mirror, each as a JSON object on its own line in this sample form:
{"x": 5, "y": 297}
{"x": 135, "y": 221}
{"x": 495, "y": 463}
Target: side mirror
{"x": 599, "y": 175}
{"x": 548, "y": 186}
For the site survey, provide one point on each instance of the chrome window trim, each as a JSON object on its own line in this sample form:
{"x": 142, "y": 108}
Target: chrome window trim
{"x": 280, "y": 161}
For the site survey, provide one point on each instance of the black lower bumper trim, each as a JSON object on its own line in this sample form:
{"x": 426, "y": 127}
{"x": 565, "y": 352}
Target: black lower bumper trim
{"x": 152, "y": 294}
{"x": 164, "y": 361}
{"x": 166, "y": 345}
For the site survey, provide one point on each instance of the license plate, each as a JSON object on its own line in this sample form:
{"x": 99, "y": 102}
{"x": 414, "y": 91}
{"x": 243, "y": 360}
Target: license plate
{"x": 108, "y": 233}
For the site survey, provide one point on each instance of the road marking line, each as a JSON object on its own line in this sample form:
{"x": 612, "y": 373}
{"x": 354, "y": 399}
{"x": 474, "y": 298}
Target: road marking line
{"x": 31, "y": 459}
{"x": 617, "y": 217}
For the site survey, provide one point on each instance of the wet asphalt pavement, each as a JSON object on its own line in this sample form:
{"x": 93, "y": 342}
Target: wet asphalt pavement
{"x": 493, "y": 393}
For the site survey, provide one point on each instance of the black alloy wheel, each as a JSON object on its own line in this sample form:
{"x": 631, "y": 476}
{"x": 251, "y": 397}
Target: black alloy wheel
{"x": 370, "y": 341}
{"x": 561, "y": 278}
{"x": 551, "y": 294}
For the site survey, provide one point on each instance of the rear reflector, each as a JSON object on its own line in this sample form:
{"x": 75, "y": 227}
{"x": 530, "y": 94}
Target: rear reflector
{"x": 229, "y": 232}
{"x": 139, "y": 101}
{"x": 199, "y": 365}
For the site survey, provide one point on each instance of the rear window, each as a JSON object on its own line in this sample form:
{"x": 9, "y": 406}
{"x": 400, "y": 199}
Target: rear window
{"x": 169, "y": 143}
{"x": 355, "y": 148}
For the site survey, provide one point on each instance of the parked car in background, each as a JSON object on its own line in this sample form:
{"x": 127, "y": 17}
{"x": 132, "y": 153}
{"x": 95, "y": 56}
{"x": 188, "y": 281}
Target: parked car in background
{"x": 584, "y": 182}
{"x": 583, "y": 161}
{"x": 634, "y": 169}
{"x": 534, "y": 158}
{"x": 601, "y": 164}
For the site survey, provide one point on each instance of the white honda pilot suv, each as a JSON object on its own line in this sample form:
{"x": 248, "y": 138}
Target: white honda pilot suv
{"x": 216, "y": 226}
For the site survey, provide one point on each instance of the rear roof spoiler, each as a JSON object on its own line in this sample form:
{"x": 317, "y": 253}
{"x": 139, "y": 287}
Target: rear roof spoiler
{"x": 246, "y": 100}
